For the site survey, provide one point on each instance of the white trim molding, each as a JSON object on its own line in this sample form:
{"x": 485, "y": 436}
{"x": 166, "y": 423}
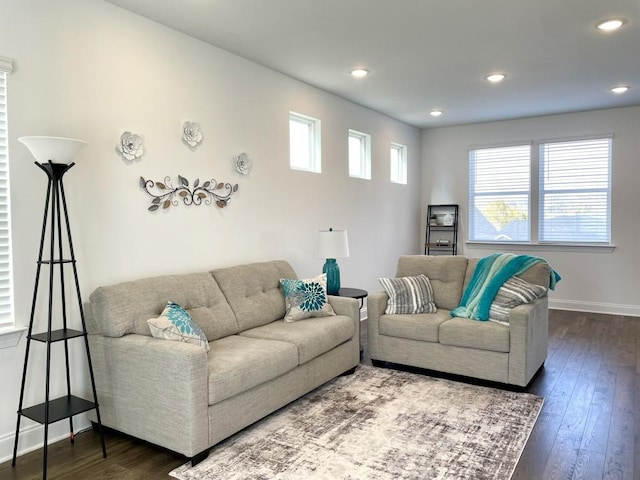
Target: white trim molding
{"x": 10, "y": 336}
{"x": 593, "y": 307}
{"x": 6, "y": 64}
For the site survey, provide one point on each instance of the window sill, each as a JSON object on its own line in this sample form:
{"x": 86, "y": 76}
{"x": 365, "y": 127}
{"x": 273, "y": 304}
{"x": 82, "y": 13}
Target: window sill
{"x": 10, "y": 336}
{"x": 558, "y": 247}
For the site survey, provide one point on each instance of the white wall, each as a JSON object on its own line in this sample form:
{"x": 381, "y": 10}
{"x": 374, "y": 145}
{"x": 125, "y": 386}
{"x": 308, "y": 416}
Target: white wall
{"x": 89, "y": 70}
{"x": 593, "y": 279}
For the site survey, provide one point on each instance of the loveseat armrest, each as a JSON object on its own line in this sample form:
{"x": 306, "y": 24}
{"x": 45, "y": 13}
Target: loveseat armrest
{"x": 376, "y": 305}
{"x": 529, "y": 330}
{"x": 153, "y": 389}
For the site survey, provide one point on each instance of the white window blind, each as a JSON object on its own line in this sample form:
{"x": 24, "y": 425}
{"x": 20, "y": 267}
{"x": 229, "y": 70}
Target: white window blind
{"x": 499, "y": 193}
{"x": 575, "y": 191}
{"x": 6, "y": 295}
{"x": 359, "y": 155}
{"x": 398, "y": 163}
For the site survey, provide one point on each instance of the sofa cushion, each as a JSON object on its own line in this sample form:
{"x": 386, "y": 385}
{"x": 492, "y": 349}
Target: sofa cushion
{"x": 236, "y": 364}
{"x": 417, "y": 326}
{"x": 409, "y": 295}
{"x": 253, "y": 291}
{"x": 464, "y": 332}
{"x": 312, "y": 336}
{"x": 446, "y": 274}
{"x": 125, "y": 307}
{"x": 305, "y": 298}
{"x": 175, "y": 323}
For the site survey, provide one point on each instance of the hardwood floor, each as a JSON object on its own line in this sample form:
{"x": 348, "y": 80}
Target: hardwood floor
{"x": 589, "y": 427}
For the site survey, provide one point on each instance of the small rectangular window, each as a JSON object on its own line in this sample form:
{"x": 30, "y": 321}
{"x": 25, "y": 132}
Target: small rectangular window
{"x": 499, "y": 194}
{"x": 575, "y": 191}
{"x": 398, "y": 163}
{"x": 359, "y": 155}
{"x": 304, "y": 143}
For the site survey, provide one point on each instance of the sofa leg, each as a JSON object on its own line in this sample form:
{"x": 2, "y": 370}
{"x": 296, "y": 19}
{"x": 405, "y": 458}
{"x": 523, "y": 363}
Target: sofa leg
{"x": 351, "y": 371}
{"x": 199, "y": 457}
{"x": 379, "y": 363}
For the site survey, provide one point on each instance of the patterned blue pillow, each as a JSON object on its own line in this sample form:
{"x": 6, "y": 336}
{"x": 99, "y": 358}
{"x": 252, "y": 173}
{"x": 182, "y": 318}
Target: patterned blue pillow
{"x": 306, "y": 298}
{"x": 175, "y": 323}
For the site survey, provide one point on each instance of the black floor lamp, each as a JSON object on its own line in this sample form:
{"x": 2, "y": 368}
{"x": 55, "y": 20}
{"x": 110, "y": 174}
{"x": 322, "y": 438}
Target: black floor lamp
{"x": 54, "y": 155}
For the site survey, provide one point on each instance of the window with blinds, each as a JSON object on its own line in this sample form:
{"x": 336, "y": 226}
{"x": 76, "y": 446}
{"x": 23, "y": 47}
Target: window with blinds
{"x": 499, "y": 193}
{"x": 6, "y": 310}
{"x": 575, "y": 191}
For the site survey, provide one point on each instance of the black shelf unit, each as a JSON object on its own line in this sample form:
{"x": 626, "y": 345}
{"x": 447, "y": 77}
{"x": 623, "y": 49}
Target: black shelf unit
{"x": 441, "y": 232}
{"x": 66, "y": 406}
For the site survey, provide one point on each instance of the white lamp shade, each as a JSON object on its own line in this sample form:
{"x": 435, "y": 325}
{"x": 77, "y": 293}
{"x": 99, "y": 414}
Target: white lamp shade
{"x": 332, "y": 244}
{"x": 56, "y": 149}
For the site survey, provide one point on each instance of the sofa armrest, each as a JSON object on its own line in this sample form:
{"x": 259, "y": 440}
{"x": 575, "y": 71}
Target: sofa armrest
{"x": 153, "y": 389}
{"x": 376, "y": 305}
{"x": 349, "y": 307}
{"x": 529, "y": 330}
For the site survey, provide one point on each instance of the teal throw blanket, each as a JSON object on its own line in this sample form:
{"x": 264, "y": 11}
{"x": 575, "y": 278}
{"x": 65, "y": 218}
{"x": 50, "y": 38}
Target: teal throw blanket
{"x": 490, "y": 274}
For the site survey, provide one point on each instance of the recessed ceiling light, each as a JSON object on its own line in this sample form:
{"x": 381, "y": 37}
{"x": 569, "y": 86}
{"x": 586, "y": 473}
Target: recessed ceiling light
{"x": 496, "y": 77}
{"x": 435, "y": 113}
{"x": 360, "y": 72}
{"x": 620, "y": 89}
{"x": 611, "y": 25}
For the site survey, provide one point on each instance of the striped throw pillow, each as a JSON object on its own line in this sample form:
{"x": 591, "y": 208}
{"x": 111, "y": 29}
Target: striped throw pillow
{"x": 409, "y": 295}
{"x": 514, "y": 292}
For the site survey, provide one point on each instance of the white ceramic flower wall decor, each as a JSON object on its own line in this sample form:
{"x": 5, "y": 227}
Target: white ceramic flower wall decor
{"x": 130, "y": 146}
{"x": 191, "y": 134}
{"x": 243, "y": 164}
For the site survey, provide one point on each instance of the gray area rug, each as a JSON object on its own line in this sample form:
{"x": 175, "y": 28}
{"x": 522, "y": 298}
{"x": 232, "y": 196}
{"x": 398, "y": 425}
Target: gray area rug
{"x": 381, "y": 424}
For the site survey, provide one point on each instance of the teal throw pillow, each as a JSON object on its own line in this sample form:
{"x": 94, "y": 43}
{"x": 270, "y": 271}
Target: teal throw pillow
{"x": 306, "y": 298}
{"x": 175, "y": 323}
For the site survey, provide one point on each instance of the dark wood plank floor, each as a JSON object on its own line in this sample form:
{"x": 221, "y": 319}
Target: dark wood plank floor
{"x": 589, "y": 427}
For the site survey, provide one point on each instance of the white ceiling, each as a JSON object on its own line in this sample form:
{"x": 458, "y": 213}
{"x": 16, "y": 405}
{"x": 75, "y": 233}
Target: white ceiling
{"x": 430, "y": 54}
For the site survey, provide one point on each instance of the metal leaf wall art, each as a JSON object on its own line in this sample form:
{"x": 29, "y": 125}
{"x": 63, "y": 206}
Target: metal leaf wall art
{"x": 165, "y": 195}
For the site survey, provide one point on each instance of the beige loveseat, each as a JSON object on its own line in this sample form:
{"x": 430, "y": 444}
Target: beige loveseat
{"x": 179, "y": 396}
{"x": 509, "y": 354}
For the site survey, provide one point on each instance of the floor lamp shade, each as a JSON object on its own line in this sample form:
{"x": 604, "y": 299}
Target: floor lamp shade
{"x": 55, "y": 149}
{"x": 332, "y": 244}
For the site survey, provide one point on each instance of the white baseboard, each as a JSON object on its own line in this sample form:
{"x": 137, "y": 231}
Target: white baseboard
{"x": 593, "y": 307}
{"x": 32, "y": 436}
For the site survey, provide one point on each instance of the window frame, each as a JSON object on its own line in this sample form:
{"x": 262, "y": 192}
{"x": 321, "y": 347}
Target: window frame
{"x": 398, "y": 173}
{"x": 472, "y": 189}
{"x": 363, "y": 167}
{"x": 313, "y": 162}
{"x": 543, "y": 192}
{"x": 536, "y": 193}
{"x": 9, "y": 335}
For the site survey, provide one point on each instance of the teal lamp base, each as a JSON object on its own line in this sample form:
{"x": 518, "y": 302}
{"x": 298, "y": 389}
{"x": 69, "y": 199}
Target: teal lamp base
{"x": 332, "y": 270}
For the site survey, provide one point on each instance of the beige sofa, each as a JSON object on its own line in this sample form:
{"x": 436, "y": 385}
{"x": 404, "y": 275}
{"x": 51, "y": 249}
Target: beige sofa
{"x": 179, "y": 396}
{"x": 510, "y": 354}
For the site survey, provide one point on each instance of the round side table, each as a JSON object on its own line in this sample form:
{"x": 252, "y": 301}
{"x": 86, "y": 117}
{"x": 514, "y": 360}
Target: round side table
{"x": 359, "y": 295}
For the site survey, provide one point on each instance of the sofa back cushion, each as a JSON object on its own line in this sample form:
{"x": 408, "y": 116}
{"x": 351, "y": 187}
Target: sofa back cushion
{"x": 253, "y": 291}
{"x": 446, "y": 274}
{"x": 540, "y": 273}
{"x": 125, "y": 307}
